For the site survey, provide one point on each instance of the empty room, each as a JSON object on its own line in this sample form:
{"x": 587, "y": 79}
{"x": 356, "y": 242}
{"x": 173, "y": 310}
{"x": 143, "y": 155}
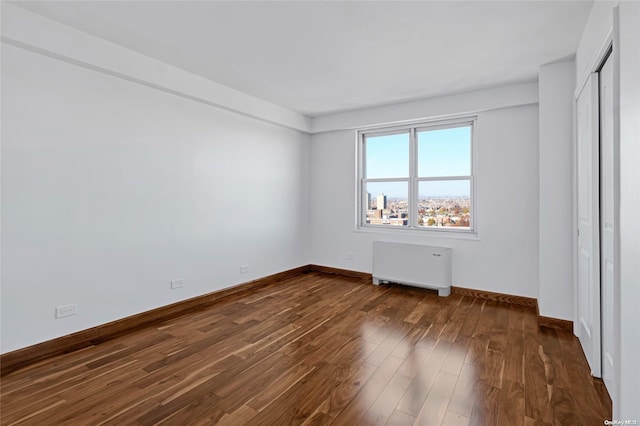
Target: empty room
{"x": 320, "y": 212}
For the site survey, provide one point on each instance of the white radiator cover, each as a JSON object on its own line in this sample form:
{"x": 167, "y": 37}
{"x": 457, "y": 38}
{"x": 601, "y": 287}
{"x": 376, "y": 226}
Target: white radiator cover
{"x": 414, "y": 265}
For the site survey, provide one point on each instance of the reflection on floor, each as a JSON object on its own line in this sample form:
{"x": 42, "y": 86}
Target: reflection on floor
{"x": 320, "y": 349}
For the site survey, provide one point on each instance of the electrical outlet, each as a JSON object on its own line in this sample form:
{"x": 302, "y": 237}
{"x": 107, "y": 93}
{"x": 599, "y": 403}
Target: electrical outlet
{"x": 179, "y": 283}
{"x": 350, "y": 256}
{"x": 66, "y": 310}
{"x": 244, "y": 269}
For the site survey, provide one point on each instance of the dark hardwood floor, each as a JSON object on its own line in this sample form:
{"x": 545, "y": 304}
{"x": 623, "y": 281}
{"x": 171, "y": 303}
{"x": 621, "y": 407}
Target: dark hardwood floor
{"x": 320, "y": 349}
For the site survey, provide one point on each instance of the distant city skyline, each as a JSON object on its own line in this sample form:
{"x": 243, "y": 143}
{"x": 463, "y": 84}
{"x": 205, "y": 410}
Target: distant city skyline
{"x": 431, "y": 211}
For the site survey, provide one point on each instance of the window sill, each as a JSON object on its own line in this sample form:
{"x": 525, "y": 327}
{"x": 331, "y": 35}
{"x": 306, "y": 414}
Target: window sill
{"x": 428, "y": 233}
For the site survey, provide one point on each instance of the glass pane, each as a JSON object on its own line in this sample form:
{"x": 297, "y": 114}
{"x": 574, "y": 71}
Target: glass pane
{"x": 386, "y": 203}
{"x": 444, "y": 203}
{"x": 387, "y": 156}
{"x": 444, "y": 152}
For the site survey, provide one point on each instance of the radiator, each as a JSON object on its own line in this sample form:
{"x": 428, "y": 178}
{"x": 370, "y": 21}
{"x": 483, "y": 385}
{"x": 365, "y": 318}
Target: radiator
{"x": 419, "y": 266}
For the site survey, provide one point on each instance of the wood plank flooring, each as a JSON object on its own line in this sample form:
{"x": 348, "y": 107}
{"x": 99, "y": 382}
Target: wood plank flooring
{"x": 320, "y": 349}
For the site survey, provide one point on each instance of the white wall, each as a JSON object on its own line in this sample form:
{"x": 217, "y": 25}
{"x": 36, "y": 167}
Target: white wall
{"x": 442, "y": 106}
{"x": 503, "y": 259}
{"x": 557, "y": 83}
{"x": 23, "y": 28}
{"x": 111, "y": 188}
{"x": 629, "y": 91}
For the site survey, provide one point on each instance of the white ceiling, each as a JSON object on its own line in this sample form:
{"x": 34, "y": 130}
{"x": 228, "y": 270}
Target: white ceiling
{"x": 322, "y": 57}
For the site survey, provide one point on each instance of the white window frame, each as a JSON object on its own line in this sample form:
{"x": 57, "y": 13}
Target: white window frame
{"x": 413, "y": 180}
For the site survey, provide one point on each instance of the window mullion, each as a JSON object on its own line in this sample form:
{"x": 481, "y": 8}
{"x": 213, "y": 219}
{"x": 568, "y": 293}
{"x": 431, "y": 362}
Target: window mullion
{"x": 400, "y": 179}
{"x": 441, "y": 178}
{"x": 362, "y": 174}
{"x": 413, "y": 171}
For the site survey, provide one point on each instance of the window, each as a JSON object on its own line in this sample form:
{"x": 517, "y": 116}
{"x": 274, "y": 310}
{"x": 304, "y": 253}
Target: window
{"x": 417, "y": 177}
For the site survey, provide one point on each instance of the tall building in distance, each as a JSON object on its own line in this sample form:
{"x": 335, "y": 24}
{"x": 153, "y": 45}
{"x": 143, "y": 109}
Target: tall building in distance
{"x": 386, "y": 212}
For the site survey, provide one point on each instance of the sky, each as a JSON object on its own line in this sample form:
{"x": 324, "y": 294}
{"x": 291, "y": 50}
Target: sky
{"x": 441, "y": 153}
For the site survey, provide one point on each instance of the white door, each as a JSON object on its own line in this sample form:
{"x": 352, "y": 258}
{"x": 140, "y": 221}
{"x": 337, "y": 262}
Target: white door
{"x": 610, "y": 292}
{"x": 588, "y": 158}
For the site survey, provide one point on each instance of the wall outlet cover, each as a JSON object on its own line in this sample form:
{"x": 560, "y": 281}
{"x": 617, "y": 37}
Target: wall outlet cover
{"x": 66, "y": 310}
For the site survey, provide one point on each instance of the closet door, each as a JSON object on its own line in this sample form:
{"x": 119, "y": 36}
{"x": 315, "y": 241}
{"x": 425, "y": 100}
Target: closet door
{"x": 588, "y": 203}
{"x": 608, "y": 214}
